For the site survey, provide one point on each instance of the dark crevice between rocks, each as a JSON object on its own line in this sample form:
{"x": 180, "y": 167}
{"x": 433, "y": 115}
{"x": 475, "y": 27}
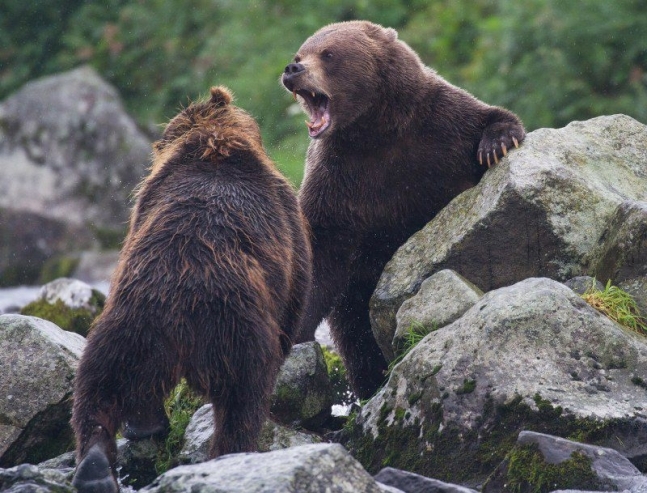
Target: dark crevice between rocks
{"x": 47, "y": 435}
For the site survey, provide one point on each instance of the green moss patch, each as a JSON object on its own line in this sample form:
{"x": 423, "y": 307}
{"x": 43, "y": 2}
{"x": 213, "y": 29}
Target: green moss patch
{"x": 528, "y": 472}
{"x": 76, "y": 320}
{"x": 468, "y": 387}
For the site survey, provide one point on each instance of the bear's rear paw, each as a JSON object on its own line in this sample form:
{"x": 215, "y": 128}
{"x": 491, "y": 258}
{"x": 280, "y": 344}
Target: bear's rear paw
{"x": 497, "y": 139}
{"x": 94, "y": 475}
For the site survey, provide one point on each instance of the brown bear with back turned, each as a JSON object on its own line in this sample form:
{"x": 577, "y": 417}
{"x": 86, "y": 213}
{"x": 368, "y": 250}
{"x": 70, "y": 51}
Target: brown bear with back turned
{"x": 210, "y": 286}
{"x": 392, "y": 144}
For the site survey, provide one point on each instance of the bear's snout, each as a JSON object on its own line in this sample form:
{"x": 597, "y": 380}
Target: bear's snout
{"x": 290, "y": 73}
{"x": 294, "y": 68}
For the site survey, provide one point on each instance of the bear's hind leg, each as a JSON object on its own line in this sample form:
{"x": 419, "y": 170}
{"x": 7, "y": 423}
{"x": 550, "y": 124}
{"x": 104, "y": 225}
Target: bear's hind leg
{"x": 350, "y": 327}
{"x": 241, "y": 383}
{"x": 115, "y": 377}
{"x": 239, "y": 415}
{"x": 150, "y": 382}
{"x": 96, "y": 417}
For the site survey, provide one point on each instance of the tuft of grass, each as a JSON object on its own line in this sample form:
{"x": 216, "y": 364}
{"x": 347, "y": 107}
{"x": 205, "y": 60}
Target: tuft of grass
{"x": 415, "y": 333}
{"x": 618, "y": 305}
{"x": 180, "y": 407}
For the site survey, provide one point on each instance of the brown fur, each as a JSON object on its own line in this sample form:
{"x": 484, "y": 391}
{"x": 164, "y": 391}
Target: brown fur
{"x": 401, "y": 142}
{"x": 210, "y": 286}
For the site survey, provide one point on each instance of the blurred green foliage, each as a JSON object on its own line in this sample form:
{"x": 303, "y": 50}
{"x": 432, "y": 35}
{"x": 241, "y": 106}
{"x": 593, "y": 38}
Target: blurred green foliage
{"x": 551, "y": 61}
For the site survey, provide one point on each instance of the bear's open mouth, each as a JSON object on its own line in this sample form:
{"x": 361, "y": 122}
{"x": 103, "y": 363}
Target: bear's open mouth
{"x": 316, "y": 105}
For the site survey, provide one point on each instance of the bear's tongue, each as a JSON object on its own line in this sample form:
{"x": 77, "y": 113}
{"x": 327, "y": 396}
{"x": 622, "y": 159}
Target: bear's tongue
{"x": 319, "y": 113}
{"x": 319, "y": 120}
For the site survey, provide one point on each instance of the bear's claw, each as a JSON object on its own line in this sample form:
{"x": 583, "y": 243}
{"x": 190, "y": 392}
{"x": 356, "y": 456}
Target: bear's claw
{"x": 496, "y": 140}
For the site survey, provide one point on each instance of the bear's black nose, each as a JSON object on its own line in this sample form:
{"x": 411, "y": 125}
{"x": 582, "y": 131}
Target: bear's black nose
{"x": 294, "y": 68}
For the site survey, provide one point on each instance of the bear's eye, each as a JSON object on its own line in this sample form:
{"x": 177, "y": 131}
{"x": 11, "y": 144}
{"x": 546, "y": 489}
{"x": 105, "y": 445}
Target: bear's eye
{"x": 297, "y": 59}
{"x": 327, "y": 55}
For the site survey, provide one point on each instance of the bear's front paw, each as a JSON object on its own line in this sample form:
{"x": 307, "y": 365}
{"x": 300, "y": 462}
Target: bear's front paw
{"x": 497, "y": 139}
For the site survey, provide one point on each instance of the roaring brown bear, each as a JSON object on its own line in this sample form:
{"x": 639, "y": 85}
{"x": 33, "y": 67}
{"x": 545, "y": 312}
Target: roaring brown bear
{"x": 392, "y": 144}
{"x": 210, "y": 286}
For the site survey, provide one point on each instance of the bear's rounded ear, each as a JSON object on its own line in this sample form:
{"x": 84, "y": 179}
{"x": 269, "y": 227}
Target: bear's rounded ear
{"x": 377, "y": 31}
{"x": 220, "y": 96}
{"x": 391, "y": 33}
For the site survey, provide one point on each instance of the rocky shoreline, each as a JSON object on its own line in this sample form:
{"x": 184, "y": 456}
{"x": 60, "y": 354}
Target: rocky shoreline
{"x": 503, "y": 378}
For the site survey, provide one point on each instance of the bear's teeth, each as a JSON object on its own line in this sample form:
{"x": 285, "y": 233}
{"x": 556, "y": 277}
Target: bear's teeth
{"x": 318, "y": 124}
{"x": 294, "y": 94}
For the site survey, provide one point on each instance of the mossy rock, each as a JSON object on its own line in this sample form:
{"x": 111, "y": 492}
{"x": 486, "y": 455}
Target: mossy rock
{"x": 74, "y": 313}
{"x": 302, "y": 395}
{"x": 76, "y": 320}
{"x": 433, "y": 448}
{"x": 525, "y": 470}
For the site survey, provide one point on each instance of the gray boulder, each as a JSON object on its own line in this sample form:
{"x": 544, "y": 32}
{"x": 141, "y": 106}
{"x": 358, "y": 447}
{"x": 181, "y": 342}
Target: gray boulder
{"x": 529, "y": 356}
{"x": 277, "y": 437}
{"x": 71, "y": 157}
{"x": 136, "y": 460}
{"x": 582, "y": 284}
{"x": 68, "y": 137}
{"x": 198, "y": 436}
{"x": 304, "y": 469}
{"x": 65, "y": 462}
{"x": 31, "y": 242}
{"x": 442, "y": 298}
{"x": 539, "y": 213}
{"x": 37, "y": 366}
{"x": 72, "y": 293}
{"x": 303, "y": 393}
{"x": 27, "y": 478}
{"x": 539, "y": 461}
